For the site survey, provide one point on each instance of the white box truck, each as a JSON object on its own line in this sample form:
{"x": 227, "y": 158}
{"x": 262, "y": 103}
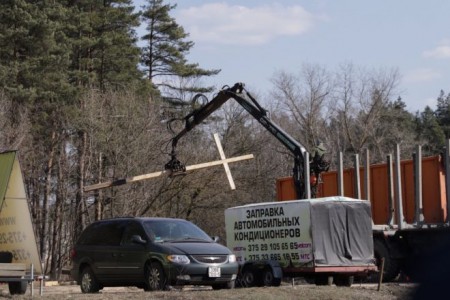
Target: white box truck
{"x": 322, "y": 240}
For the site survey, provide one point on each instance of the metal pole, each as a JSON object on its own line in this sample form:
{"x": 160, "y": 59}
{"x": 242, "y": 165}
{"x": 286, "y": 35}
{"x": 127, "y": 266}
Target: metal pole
{"x": 380, "y": 280}
{"x": 357, "y": 178}
{"x": 390, "y": 171}
{"x": 367, "y": 176}
{"x": 32, "y": 280}
{"x": 398, "y": 188}
{"x": 418, "y": 204}
{"x": 340, "y": 175}
{"x": 307, "y": 177}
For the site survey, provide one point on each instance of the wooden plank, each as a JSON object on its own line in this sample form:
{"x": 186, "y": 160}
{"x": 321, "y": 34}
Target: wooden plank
{"x": 156, "y": 174}
{"x": 11, "y": 273}
{"x": 219, "y": 162}
{"x": 12, "y": 269}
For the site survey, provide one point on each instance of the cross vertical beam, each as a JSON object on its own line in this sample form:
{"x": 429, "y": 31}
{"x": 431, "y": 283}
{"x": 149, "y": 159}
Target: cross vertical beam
{"x": 225, "y": 164}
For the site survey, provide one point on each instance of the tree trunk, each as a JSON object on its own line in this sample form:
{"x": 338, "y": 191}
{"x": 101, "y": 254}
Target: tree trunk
{"x": 80, "y": 204}
{"x": 99, "y": 196}
{"x": 48, "y": 190}
{"x": 57, "y": 234}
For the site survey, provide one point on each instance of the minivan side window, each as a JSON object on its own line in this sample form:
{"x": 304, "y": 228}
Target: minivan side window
{"x": 165, "y": 230}
{"x": 133, "y": 228}
{"x": 103, "y": 234}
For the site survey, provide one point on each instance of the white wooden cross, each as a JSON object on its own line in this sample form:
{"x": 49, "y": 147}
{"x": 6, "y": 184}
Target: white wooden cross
{"x": 223, "y": 161}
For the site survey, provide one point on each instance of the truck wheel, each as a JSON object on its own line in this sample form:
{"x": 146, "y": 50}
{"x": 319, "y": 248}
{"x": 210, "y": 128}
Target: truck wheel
{"x": 323, "y": 280}
{"x": 248, "y": 278}
{"x": 17, "y": 287}
{"x": 344, "y": 280}
{"x": 310, "y": 279}
{"x": 269, "y": 279}
{"x": 391, "y": 267}
{"x": 88, "y": 282}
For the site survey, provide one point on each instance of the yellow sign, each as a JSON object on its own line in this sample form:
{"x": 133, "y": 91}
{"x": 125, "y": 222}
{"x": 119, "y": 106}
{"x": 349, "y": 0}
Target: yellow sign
{"x": 16, "y": 229}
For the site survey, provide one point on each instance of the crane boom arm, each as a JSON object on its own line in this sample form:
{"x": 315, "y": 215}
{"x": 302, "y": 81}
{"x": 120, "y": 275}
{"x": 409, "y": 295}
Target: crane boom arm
{"x": 260, "y": 114}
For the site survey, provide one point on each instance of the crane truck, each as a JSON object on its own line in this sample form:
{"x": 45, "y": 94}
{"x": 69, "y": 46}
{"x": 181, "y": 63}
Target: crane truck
{"x": 312, "y": 238}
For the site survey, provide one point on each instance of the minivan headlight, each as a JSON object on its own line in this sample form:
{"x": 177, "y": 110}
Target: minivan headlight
{"x": 231, "y": 258}
{"x": 178, "y": 259}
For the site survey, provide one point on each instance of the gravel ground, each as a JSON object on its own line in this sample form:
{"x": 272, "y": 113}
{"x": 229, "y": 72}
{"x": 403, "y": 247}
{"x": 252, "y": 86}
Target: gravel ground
{"x": 285, "y": 291}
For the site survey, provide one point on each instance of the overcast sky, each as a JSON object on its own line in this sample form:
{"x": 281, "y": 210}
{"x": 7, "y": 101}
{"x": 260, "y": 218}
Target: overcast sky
{"x": 249, "y": 40}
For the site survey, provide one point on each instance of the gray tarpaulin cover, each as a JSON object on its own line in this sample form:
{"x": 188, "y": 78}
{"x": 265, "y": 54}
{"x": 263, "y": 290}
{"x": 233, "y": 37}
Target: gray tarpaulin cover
{"x": 341, "y": 232}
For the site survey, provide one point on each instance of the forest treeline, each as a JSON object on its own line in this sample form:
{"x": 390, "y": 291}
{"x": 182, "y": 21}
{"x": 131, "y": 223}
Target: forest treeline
{"x": 85, "y": 100}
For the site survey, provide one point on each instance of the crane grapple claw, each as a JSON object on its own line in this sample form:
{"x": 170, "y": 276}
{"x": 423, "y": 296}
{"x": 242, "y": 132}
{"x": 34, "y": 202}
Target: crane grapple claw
{"x": 175, "y": 167}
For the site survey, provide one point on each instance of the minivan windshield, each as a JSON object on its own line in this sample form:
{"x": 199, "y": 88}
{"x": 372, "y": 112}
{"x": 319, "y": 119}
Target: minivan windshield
{"x": 166, "y": 230}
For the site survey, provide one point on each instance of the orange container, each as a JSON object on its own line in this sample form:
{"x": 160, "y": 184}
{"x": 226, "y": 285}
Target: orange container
{"x": 433, "y": 190}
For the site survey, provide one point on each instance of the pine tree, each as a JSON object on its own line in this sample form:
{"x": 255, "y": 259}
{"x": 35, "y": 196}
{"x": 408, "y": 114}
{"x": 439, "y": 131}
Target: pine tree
{"x": 16, "y": 22}
{"x": 396, "y": 126}
{"x": 443, "y": 112}
{"x": 429, "y": 131}
{"x": 105, "y": 54}
{"x": 33, "y": 53}
{"x": 166, "y": 47}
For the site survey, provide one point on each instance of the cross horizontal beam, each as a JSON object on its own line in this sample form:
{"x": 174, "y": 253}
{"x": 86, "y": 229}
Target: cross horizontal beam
{"x": 117, "y": 182}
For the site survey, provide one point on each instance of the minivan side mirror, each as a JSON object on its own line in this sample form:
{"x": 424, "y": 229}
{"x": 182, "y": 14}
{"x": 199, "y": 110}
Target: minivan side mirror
{"x": 215, "y": 239}
{"x": 138, "y": 239}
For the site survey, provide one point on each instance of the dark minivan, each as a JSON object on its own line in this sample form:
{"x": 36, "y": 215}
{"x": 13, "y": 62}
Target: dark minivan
{"x": 150, "y": 253}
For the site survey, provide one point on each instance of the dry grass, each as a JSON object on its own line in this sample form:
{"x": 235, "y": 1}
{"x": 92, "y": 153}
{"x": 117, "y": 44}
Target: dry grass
{"x": 286, "y": 291}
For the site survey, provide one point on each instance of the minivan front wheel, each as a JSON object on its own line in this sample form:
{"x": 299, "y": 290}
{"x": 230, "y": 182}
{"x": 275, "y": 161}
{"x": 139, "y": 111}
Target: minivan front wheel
{"x": 155, "y": 278}
{"x": 88, "y": 282}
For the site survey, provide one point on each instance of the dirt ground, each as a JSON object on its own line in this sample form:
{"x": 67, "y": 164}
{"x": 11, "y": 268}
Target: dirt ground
{"x": 285, "y": 291}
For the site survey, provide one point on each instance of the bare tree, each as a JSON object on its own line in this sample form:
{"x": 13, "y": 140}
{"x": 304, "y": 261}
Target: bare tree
{"x": 362, "y": 97}
{"x": 126, "y": 138}
{"x": 305, "y": 98}
{"x": 14, "y": 124}
{"x": 348, "y": 110}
